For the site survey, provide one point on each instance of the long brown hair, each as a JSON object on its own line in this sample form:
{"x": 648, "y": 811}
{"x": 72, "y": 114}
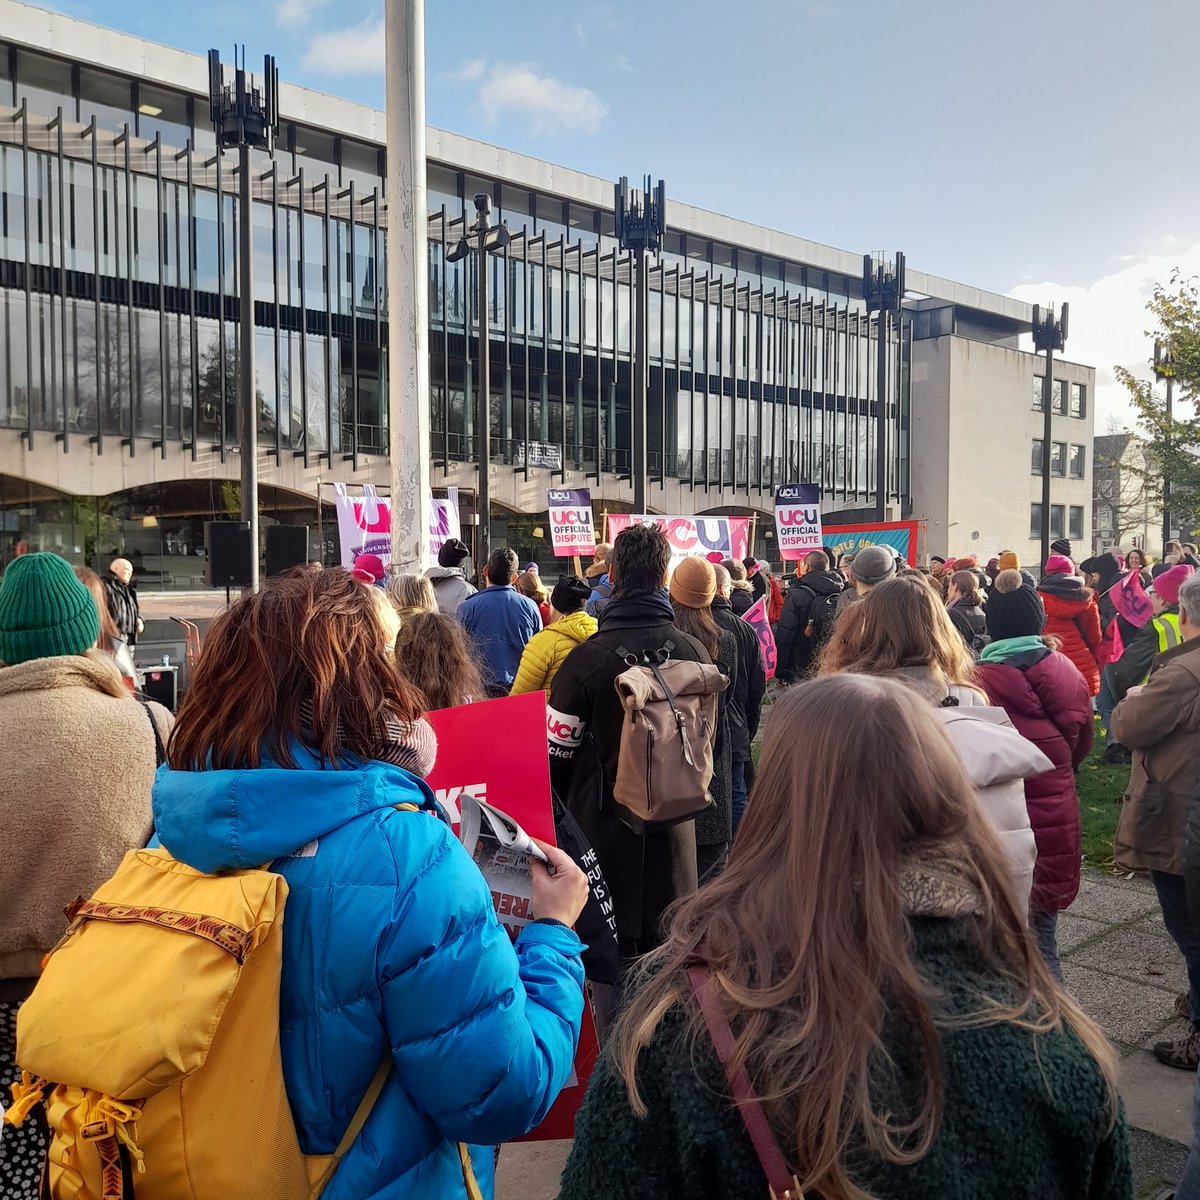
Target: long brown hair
{"x": 806, "y": 937}
{"x": 434, "y": 655}
{"x": 700, "y": 624}
{"x": 108, "y": 627}
{"x": 308, "y": 636}
{"x": 899, "y": 623}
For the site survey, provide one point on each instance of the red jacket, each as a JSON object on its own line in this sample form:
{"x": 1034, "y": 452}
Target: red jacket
{"x": 1047, "y": 700}
{"x": 1073, "y": 617}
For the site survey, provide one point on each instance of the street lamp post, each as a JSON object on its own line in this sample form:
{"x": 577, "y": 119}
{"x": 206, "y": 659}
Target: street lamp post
{"x": 247, "y": 117}
{"x": 1048, "y": 335}
{"x": 489, "y": 238}
{"x": 883, "y": 291}
{"x": 1164, "y": 369}
{"x": 641, "y": 222}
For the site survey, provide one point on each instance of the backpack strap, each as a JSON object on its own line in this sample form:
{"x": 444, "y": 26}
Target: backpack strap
{"x": 361, "y": 1113}
{"x": 160, "y": 754}
{"x": 782, "y": 1182}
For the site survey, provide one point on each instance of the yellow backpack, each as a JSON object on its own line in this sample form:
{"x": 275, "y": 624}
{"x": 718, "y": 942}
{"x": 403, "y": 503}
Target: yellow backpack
{"x": 152, "y": 1041}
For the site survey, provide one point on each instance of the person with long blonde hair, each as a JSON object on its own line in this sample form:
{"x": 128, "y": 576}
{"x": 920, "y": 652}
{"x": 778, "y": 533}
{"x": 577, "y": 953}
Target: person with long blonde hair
{"x": 410, "y": 594}
{"x": 890, "y": 1010}
{"x": 900, "y": 629}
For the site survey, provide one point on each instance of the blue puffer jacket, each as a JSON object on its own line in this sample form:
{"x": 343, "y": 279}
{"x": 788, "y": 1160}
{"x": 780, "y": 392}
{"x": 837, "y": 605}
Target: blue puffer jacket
{"x": 390, "y": 939}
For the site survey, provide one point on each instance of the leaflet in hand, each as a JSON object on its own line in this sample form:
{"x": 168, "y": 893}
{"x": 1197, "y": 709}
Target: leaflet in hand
{"x": 502, "y": 850}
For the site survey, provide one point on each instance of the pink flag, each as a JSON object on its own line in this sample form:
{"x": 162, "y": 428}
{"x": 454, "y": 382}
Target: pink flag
{"x": 1111, "y": 646}
{"x": 756, "y": 617}
{"x": 1131, "y": 600}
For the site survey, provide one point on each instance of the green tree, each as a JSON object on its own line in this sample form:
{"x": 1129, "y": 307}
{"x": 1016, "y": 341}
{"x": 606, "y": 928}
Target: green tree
{"x": 1172, "y": 441}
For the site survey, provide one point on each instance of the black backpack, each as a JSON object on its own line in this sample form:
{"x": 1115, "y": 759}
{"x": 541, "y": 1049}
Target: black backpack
{"x": 821, "y": 618}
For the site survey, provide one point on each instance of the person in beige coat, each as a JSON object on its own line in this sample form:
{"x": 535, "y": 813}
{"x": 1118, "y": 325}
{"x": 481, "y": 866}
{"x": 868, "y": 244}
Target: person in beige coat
{"x": 1160, "y": 722}
{"x": 77, "y": 761}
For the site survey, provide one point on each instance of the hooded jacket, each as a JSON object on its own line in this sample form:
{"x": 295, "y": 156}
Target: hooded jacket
{"x": 390, "y": 945}
{"x": 1073, "y": 617}
{"x": 797, "y": 650}
{"x": 645, "y": 873}
{"x": 545, "y": 652}
{"x": 997, "y": 760}
{"x": 1160, "y": 724}
{"x": 450, "y": 586}
{"x": 77, "y": 760}
{"x": 1047, "y": 701}
{"x": 741, "y": 596}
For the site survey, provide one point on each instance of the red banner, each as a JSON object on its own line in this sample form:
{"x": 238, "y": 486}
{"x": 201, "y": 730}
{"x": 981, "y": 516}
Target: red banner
{"x": 496, "y": 751}
{"x": 1130, "y": 600}
{"x": 756, "y": 617}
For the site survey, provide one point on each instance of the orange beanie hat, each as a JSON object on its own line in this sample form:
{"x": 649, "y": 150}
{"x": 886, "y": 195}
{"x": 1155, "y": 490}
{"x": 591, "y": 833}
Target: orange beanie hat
{"x": 694, "y": 583}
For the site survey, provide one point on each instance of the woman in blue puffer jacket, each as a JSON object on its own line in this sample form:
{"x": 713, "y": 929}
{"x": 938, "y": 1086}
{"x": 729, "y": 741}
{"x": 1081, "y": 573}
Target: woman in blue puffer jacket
{"x": 295, "y": 744}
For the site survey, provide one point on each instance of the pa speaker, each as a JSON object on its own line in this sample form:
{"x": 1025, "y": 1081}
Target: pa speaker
{"x": 287, "y": 547}
{"x": 227, "y": 551}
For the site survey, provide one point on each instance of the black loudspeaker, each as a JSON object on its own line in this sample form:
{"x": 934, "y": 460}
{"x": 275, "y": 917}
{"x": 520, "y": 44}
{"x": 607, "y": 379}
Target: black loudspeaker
{"x": 287, "y": 546}
{"x": 227, "y": 553}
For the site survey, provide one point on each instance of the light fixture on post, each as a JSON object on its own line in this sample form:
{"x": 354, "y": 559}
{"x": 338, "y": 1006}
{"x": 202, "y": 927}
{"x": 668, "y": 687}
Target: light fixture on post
{"x": 641, "y": 224}
{"x": 247, "y": 117}
{"x": 883, "y": 291}
{"x": 1048, "y": 335}
{"x": 489, "y": 239}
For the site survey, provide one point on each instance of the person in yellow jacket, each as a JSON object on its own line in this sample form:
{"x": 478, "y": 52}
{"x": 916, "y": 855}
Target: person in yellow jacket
{"x": 545, "y": 652}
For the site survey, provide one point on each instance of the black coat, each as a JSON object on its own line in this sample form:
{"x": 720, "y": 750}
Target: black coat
{"x": 123, "y": 605}
{"x": 714, "y": 826}
{"x": 796, "y": 649}
{"x": 751, "y": 682}
{"x": 645, "y": 873}
{"x": 742, "y": 599}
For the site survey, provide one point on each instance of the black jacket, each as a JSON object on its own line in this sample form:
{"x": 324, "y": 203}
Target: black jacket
{"x": 796, "y": 649}
{"x": 758, "y": 582}
{"x": 123, "y": 605}
{"x": 970, "y": 622}
{"x": 584, "y": 716}
{"x": 1138, "y": 657}
{"x": 751, "y": 681}
{"x": 742, "y": 599}
{"x": 714, "y": 826}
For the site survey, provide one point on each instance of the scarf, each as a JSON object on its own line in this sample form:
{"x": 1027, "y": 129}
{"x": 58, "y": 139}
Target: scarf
{"x": 932, "y": 883}
{"x": 411, "y": 745}
{"x": 1007, "y": 648}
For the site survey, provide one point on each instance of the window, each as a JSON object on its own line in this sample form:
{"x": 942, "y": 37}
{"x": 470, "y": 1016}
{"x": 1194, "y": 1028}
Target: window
{"x": 1076, "y": 526}
{"x": 1058, "y": 459}
{"x": 107, "y": 98}
{"x": 1038, "y": 459}
{"x": 1039, "y": 393}
{"x": 6, "y": 81}
{"x": 1056, "y": 520}
{"x": 1077, "y": 457}
{"x": 1035, "y": 520}
{"x": 1079, "y": 400}
{"x": 44, "y": 84}
{"x": 163, "y": 114}
{"x": 1059, "y": 396}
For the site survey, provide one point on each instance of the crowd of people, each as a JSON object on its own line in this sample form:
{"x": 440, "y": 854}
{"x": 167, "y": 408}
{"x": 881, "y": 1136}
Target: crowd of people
{"x": 852, "y": 934}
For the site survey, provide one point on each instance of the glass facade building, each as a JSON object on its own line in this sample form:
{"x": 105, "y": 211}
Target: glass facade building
{"x": 119, "y": 310}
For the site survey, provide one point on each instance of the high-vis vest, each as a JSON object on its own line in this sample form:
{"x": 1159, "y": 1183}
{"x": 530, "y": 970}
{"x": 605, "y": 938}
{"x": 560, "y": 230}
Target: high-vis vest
{"x": 1167, "y": 628}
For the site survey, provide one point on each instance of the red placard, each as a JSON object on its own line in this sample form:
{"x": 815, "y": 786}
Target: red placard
{"x": 496, "y": 751}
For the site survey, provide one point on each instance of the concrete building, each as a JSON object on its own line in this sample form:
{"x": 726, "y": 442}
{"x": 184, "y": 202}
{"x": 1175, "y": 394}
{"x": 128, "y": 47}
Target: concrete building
{"x": 1125, "y": 512}
{"x": 119, "y": 312}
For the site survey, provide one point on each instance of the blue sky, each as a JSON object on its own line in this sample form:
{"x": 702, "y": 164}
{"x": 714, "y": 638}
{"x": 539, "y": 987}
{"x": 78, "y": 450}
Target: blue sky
{"x": 1035, "y": 146}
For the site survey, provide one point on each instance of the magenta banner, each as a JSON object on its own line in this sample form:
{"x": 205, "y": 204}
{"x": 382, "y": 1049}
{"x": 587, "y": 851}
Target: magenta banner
{"x": 756, "y": 617}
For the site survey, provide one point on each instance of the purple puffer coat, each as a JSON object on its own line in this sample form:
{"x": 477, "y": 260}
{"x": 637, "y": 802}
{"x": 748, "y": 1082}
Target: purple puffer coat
{"x": 1048, "y": 701}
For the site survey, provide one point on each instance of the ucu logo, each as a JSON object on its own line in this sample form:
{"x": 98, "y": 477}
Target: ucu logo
{"x": 797, "y": 516}
{"x": 558, "y": 496}
{"x": 563, "y": 729}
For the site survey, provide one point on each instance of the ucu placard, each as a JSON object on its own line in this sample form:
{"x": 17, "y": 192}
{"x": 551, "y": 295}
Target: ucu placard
{"x": 798, "y": 519}
{"x": 572, "y": 528}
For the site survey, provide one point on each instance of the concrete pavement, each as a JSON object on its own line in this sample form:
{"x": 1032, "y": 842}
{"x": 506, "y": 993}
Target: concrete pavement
{"x": 1121, "y": 966}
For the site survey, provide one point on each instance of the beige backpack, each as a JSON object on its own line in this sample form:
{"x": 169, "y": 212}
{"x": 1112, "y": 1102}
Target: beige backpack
{"x": 665, "y": 758}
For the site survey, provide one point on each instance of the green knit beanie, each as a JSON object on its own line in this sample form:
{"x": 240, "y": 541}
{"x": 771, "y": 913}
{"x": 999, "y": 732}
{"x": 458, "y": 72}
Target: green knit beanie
{"x": 44, "y": 610}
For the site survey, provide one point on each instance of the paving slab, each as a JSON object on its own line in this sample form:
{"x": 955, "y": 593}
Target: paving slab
{"x": 531, "y": 1170}
{"x": 1125, "y": 1011}
{"x": 1114, "y": 900}
{"x": 1073, "y": 930}
{"x": 1158, "y": 1099}
{"x": 1136, "y": 952}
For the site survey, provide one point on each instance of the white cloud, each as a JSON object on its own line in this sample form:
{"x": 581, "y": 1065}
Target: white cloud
{"x": 358, "y": 50}
{"x": 1109, "y": 321}
{"x": 470, "y": 70}
{"x": 295, "y": 13}
{"x": 551, "y": 105}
